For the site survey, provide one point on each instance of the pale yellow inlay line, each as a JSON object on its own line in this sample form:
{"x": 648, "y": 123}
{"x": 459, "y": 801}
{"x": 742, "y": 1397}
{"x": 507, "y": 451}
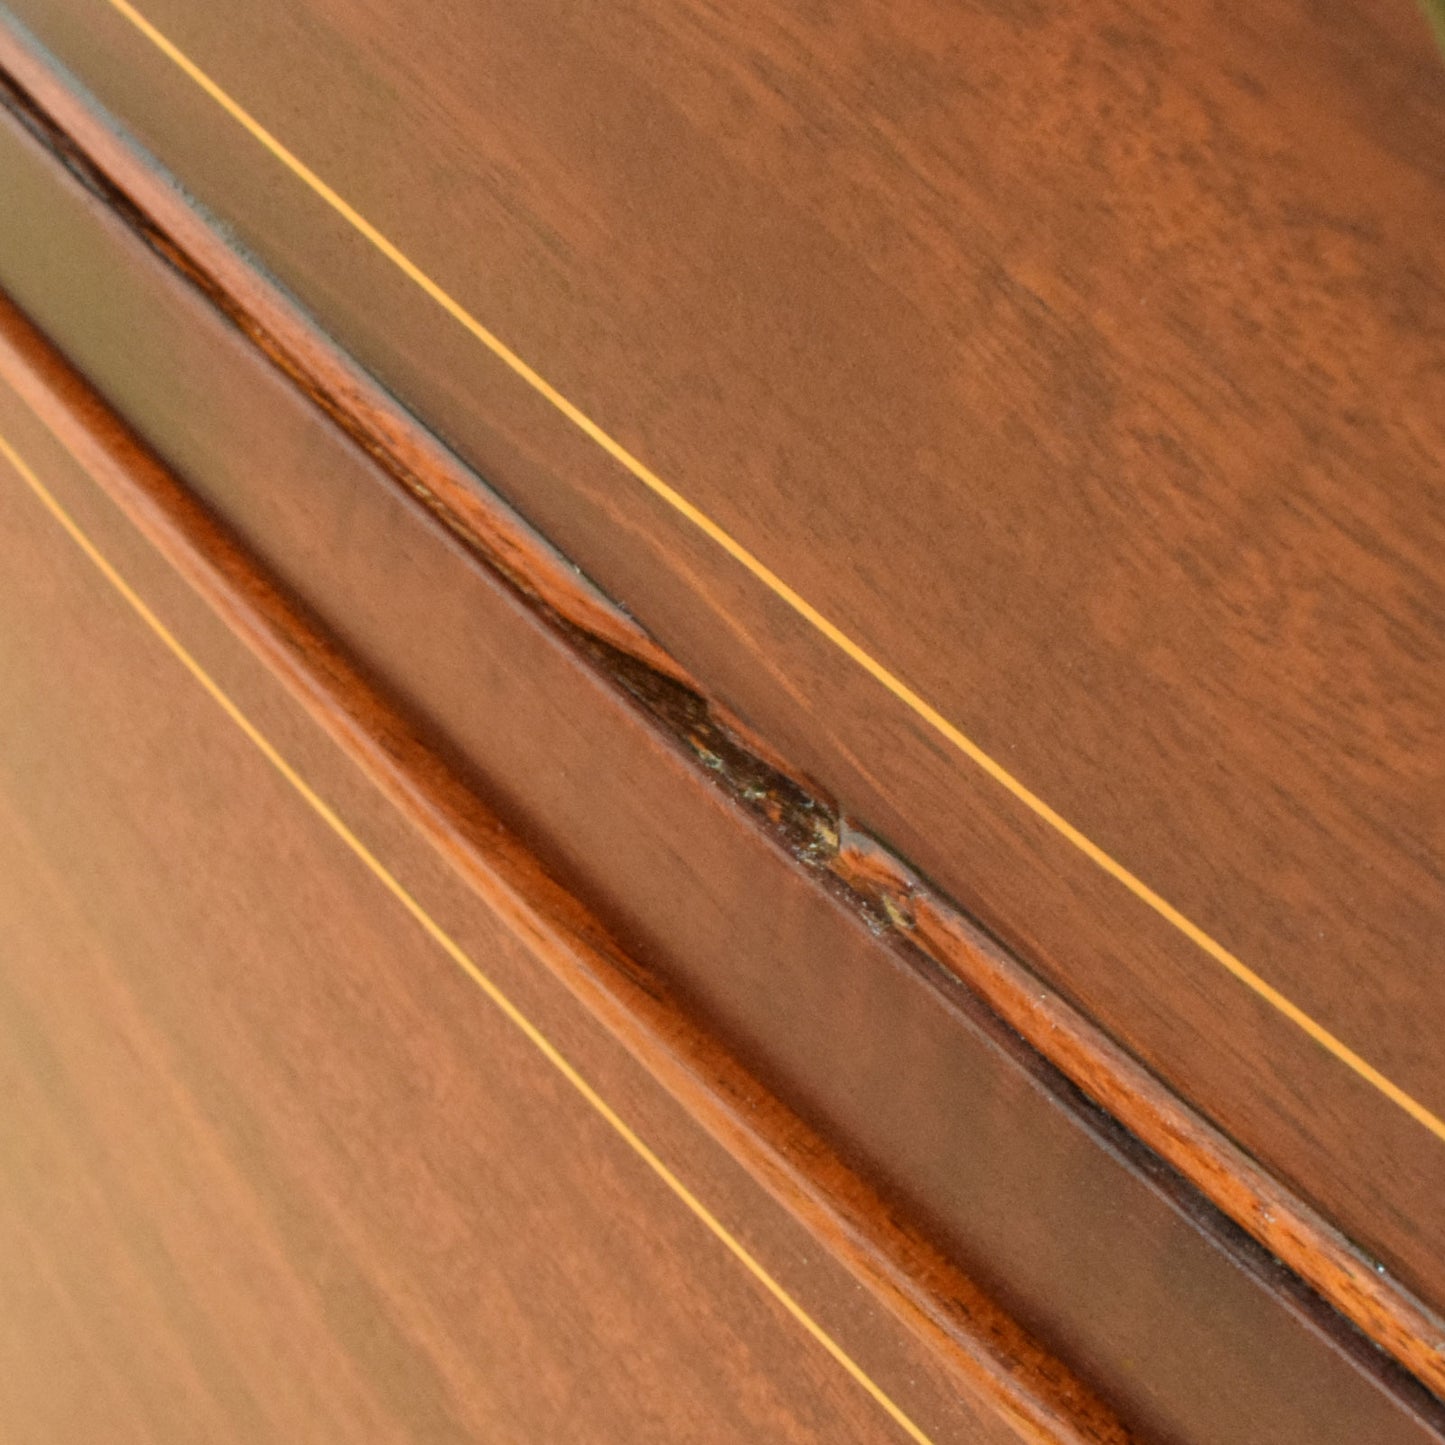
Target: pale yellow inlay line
{"x": 456, "y": 953}
{"x": 775, "y": 584}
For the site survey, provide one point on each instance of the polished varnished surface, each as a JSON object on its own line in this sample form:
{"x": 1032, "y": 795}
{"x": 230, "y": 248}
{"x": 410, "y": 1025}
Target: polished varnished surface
{"x": 1093, "y": 1249}
{"x": 1083, "y": 370}
{"x": 1024, "y": 1190}
{"x": 273, "y": 1166}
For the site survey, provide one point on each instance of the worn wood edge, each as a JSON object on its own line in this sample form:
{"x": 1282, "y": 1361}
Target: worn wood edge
{"x": 1388, "y": 1314}
{"x": 352, "y": 399}
{"x": 993, "y": 1359}
{"x": 892, "y": 894}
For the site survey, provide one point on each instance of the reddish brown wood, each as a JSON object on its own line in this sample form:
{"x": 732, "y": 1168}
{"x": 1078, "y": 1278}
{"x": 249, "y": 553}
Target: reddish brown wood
{"x": 239, "y": 398}
{"x": 990, "y": 1354}
{"x": 265, "y": 1121}
{"x": 1148, "y": 303}
{"x": 1249, "y": 1194}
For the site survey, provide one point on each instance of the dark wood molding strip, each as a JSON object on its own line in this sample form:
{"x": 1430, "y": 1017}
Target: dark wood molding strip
{"x": 892, "y": 894}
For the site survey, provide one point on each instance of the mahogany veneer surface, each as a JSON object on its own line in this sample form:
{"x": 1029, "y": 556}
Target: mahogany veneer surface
{"x": 1001, "y": 413}
{"x": 1090, "y": 1241}
{"x": 271, "y": 1166}
{"x": 1082, "y": 367}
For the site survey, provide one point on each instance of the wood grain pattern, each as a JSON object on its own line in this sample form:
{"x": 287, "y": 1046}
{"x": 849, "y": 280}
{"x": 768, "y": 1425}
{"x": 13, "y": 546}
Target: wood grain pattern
{"x": 1126, "y": 1214}
{"x": 297, "y": 1129}
{"x": 1248, "y": 1194}
{"x": 201, "y": 369}
{"x": 1074, "y": 454}
{"x": 957, "y": 1323}
{"x": 1270, "y": 1214}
